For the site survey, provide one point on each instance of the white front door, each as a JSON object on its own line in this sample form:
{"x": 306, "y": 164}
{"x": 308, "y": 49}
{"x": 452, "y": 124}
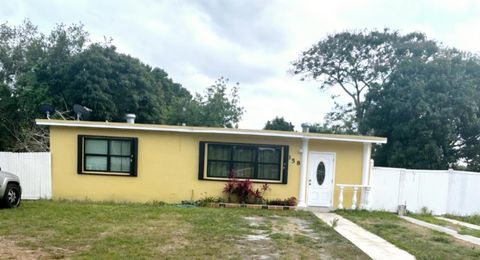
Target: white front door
{"x": 321, "y": 170}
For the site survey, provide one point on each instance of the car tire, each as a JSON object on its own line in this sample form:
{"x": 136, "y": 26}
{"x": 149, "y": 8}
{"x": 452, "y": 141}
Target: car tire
{"x": 12, "y": 196}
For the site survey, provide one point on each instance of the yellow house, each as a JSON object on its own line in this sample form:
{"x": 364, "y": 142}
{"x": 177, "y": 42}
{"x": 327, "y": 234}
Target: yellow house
{"x": 142, "y": 162}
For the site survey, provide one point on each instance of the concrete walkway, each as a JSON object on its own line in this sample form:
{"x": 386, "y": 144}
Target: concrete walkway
{"x": 373, "y": 245}
{"x": 461, "y": 223}
{"x": 454, "y": 233}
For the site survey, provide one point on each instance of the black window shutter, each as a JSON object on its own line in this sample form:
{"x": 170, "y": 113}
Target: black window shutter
{"x": 79, "y": 154}
{"x": 134, "y": 166}
{"x": 285, "y": 165}
{"x": 201, "y": 160}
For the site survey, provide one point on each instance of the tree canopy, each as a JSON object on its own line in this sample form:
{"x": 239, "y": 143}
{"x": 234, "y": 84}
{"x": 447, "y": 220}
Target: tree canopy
{"x": 357, "y": 61}
{"x": 65, "y": 68}
{"x": 420, "y": 95}
{"x": 216, "y": 107}
{"x": 327, "y": 128}
{"x": 279, "y": 123}
{"x": 430, "y": 113}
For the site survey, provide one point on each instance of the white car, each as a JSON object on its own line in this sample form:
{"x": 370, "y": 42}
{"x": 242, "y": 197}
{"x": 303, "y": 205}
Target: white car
{"x": 10, "y": 190}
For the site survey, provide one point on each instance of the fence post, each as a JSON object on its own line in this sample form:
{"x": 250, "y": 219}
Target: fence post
{"x": 453, "y": 200}
{"x": 401, "y": 188}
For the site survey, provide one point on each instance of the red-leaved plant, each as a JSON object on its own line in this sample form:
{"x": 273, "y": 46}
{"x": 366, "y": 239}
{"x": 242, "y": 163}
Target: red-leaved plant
{"x": 243, "y": 190}
{"x": 229, "y": 187}
{"x": 258, "y": 194}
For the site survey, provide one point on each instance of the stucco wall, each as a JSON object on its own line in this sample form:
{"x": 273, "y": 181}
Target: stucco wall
{"x": 168, "y": 167}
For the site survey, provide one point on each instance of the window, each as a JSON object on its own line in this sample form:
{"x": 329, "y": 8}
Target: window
{"x": 320, "y": 173}
{"x": 107, "y": 155}
{"x": 245, "y": 161}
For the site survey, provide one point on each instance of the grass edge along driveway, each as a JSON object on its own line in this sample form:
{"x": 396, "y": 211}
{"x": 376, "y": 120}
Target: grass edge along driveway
{"x": 58, "y": 229}
{"x": 422, "y": 242}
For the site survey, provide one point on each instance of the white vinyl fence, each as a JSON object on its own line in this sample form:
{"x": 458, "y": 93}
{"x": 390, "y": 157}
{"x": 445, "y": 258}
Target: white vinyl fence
{"x": 34, "y": 171}
{"x": 442, "y": 192}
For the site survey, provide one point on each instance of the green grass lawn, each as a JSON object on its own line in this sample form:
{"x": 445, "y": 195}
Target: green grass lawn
{"x": 474, "y": 219}
{"x": 46, "y": 229}
{"x": 422, "y": 242}
{"x": 459, "y": 228}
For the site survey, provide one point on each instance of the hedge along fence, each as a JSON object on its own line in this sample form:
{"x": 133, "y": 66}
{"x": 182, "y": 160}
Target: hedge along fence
{"x": 34, "y": 171}
{"x": 441, "y": 191}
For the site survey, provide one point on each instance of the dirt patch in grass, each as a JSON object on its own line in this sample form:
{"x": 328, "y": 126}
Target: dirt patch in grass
{"x": 288, "y": 226}
{"x": 297, "y": 226}
{"x": 274, "y": 236}
{"x": 10, "y": 250}
{"x": 176, "y": 239}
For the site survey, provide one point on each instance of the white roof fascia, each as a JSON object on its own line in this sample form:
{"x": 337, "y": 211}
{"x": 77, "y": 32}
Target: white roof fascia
{"x": 207, "y": 131}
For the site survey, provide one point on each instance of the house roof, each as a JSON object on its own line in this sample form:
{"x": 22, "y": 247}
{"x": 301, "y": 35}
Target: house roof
{"x": 212, "y": 130}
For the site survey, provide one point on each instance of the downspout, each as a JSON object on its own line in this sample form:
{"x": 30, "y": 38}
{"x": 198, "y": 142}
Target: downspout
{"x": 303, "y": 174}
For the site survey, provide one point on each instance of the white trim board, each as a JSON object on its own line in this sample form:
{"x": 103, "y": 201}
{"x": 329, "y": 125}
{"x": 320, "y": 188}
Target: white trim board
{"x": 207, "y": 130}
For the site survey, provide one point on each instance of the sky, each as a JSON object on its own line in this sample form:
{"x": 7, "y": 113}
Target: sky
{"x": 252, "y": 42}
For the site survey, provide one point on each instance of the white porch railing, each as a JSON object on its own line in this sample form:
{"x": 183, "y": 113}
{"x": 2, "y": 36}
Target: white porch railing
{"x": 365, "y": 198}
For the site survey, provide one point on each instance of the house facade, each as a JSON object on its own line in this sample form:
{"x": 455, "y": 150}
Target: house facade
{"x": 105, "y": 161}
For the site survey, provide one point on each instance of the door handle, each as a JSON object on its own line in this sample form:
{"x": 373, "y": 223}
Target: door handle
{"x": 309, "y": 182}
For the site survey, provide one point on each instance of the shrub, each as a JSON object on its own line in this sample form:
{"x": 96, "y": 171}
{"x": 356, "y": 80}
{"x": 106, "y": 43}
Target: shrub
{"x": 230, "y": 186}
{"x": 258, "y": 193}
{"x": 157, "y": 203}
{"x": 292, "y": 201}
{"x": 207, "y": 200}
{"x": 243, "y": 190}
{"x": 425, "y": 211}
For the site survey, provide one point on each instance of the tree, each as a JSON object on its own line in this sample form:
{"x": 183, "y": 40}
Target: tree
{"x": 430, "y": 113}
{"x": 112, "y": 84}
{"x": 279, "y": 123}
{"x": 357, "y": 61}
{"x": 64, "y": 68}
{"x": 328, "y": 128}
{"x": 21, "y": 49}
{"x": 216, "y": 107}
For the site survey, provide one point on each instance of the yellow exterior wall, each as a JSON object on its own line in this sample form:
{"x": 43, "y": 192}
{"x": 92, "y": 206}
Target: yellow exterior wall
{"x": 168, "y": 166}
{"x": 348, "y": 166}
